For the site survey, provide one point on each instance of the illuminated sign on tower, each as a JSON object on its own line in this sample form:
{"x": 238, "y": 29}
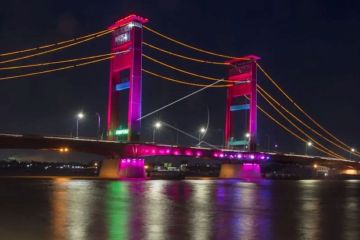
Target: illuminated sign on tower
{"x": 124, "y": 102}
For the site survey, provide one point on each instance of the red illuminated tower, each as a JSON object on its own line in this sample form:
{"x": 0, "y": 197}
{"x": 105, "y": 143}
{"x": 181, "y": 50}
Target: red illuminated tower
{"x": 124, "y": 103}
{"x": 241, "y": 96}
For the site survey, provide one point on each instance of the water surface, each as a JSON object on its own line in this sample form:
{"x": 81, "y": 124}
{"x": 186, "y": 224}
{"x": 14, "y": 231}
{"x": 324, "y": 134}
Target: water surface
{"x": 64, "y": 208}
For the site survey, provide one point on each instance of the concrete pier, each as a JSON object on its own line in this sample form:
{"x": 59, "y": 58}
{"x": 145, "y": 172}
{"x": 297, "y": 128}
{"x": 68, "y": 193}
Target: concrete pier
{"x": 122, "y": 168}
{"x": 240, "y": 171}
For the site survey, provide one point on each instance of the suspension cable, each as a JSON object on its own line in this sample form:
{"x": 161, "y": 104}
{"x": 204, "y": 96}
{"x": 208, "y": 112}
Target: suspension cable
{"x": 260, "y": 89}
{"x": 298, "y": 128}
{"x": 187, "y": 83}
{"x": 185, "y": 57}
{"x": 299, "y": 108}
{"x": 265, "y": 73}
{"x": 55, "y": 49}
{"x": 267, "y": 114}
{"x": 56, "y": 69}
{"x": 184, "y": 82}
{"x": 178, "y": 100}
{"x": 188, "y": 134}
{"x": 53, "y": 44}
{"x": 186, "y": 72}
{"x": 287, "y": 129}
{"x": 58, "y": 62}
{"x": 192, "y": 47}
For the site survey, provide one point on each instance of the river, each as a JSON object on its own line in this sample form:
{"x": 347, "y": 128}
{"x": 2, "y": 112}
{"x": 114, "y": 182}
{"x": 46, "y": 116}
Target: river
{"x": 63, "y": 208}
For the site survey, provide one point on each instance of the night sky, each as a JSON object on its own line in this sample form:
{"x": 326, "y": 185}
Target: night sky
{"x": 311, "y": 48}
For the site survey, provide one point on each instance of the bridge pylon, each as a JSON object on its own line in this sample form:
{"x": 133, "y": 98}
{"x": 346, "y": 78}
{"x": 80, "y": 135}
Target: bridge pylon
{"x": 241, "y": 97}
{"x": 125, "y": 82}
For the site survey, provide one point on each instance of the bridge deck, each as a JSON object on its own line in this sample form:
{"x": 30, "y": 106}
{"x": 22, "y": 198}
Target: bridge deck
{"x": 140, "y": 150}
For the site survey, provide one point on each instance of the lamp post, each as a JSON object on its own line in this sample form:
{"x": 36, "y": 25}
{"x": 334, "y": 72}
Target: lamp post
{"x": 98, "y": 124}
{"x": 157, "y": 125}
{"x": 268, "y": 142}
{"x": 79, "y": 116}
{"x": 352, "y": 150}
{"x": 308, "y": 144}
{"x": 247, "y": 137}
{"x": 202, "y": 133}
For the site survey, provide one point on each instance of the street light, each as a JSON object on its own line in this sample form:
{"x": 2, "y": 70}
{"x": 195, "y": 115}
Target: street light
{"x": 64, "y": 150}
{"x": 308, "y": 144}
{"x": 157, "y": 125}
{"x": 202, "y": 132}
{"x": 352, "y": 150}
{"x": 268, "y": 142}
{"x": 79, "y": 116}
{"x": 247, "y": 136}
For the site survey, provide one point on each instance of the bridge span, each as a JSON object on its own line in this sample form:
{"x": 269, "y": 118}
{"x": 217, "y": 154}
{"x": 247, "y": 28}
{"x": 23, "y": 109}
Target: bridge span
{"x": 127, "y": 159}
{"x": 125, "y": 154}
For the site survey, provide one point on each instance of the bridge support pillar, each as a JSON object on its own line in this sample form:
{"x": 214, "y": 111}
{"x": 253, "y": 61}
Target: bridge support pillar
{"x": 122, "y": 168}
{"x": 241, "y": 96}
{"x": 240, "y": 171}
{"x": 125, "y": 83}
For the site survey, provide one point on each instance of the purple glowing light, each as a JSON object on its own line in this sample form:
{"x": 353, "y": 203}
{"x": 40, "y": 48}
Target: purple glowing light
{"x": 251, "y": 171}
{"x": 249, "y": 164}
{"x": 188, "y": 153}
{"x": 132, "y": 168}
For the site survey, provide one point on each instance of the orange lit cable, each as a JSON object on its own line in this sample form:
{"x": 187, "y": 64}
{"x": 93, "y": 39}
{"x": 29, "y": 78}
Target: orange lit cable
{"x": 184, "y": 57}
{"x": 54, "y": 49}
{"x": 56, "y": 62}
{"x": 186, "y": 72}
{"x": 298, "y": 128}
{"x": 288, "y": 130}
{"x": 266, "y": 74}
{"x": 183, "y": 82}
{"x": 299, "y": 108}
{"x": 191, "y": 47}
{"x": 202, "y": 85}
{"x": 53, "y": 44}
{"x": 55, "y": 69}
{"x": 260, "y": 89}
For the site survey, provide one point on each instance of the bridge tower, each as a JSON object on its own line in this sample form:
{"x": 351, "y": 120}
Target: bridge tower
{"x": 241, "y": 97}
{"x": 124, "y": 99}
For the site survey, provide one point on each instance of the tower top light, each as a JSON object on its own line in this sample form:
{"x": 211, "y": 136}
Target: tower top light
{"x": 250, "y": 57}
{"x": 131, "y": 18}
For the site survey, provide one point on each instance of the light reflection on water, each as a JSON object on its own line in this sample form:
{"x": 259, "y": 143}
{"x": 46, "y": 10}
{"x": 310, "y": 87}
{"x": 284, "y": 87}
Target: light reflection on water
{"x": 192, "y": 209}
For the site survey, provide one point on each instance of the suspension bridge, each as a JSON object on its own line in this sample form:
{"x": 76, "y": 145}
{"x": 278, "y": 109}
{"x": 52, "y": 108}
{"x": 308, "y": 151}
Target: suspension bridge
{"x": 123, "y": 147}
